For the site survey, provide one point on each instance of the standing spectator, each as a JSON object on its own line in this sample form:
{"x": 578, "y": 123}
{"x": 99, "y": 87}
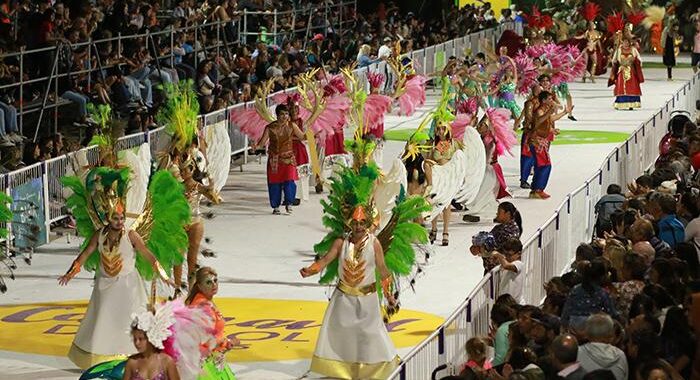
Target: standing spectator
{"x": 565, "y": 352}
{"x": 363, "y": 57}
{"x": 512, "y": 280}
{"x": 608, "y": 204}
{"x": 598, "y": 353}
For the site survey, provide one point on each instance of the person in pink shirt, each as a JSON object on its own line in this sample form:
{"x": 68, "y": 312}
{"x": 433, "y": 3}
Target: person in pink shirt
{"x": 478, "y": 362}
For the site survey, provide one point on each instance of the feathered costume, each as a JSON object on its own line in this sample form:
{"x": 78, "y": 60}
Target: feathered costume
{"x": 409, "y": 89}
{"x": 119, "y": 290}
{"x": 627, "y": 77}
{"x": 353, "y": 341}
{"x": 181, "y": 332}
{"x": 654, "y": 22}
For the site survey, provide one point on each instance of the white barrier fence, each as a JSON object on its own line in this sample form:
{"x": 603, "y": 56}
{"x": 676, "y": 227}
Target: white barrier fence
{"x": 551, "y": 250}
{"x": 48, "y": 173}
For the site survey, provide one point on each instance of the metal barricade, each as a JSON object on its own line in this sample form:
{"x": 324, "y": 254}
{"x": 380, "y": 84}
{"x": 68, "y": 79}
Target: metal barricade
{"x": 131, "y": 141}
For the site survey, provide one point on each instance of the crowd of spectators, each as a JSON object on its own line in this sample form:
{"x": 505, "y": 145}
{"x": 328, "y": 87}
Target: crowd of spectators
{"x": 629, "y": 307}
{"x": 225, "y": 66}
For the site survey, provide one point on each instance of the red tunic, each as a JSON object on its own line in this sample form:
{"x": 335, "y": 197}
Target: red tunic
{"x": 627, "y": 74}
{"x": 281, "y": 165}
{"x": 335, "y": 144}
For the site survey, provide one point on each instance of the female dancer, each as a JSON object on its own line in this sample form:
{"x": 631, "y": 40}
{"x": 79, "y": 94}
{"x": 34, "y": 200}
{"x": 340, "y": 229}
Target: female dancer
{"x": 443, "y": 148}
{"x": 353, "y": 342}
{"x": 150, "y": 362}
{"x": 506, "y": 93}
{"x": 201, "y": 295}
{"x": 627, "y": 76}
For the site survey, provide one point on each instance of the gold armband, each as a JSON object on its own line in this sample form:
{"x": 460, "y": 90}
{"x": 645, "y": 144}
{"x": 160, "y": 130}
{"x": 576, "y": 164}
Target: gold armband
{"x": 386, "y": 285}
{"x": 74, "y": 269}
{"x": 314, "y": 268}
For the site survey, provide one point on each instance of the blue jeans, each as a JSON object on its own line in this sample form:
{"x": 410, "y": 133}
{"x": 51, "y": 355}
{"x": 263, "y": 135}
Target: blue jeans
{"x": 79, "y": 99}
{"x": 10, "y": 118}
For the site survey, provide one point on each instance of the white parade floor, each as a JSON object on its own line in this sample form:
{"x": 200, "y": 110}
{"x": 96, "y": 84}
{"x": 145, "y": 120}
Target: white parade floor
{"x": 259, "y": 255}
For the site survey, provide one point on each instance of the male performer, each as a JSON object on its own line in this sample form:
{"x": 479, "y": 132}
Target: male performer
{"x": 541, "y": 137}
{"x": 281, "y": 166}
{"x": 527, "y": 157}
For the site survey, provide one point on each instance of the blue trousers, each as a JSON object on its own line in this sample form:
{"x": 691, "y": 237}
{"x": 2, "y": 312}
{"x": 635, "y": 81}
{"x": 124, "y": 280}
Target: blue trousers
{"x": 526, "y": 163}
{"x": 541, "y": 177}
{"x": 275, "y": 190}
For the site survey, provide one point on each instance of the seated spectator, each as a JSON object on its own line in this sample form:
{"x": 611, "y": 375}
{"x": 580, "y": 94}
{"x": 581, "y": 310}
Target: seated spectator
{"x": 598, "y": 353}
{"x": 631, "y": 283}
{"x": 477, "y": 360}
{"x": 588, "y": 297}
{"x": 608, "y": 204}
{"x": 663, "y": 208}
{"x": 564, "y": 351}
{"x": 678, "y": 341}
{"x": 501, "y": 319}
{"x": 31, "y": 153}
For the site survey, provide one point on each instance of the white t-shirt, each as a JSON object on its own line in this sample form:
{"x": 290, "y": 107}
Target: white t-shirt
{"x": 512, "y": 282}
{"x": 384, "y": 52}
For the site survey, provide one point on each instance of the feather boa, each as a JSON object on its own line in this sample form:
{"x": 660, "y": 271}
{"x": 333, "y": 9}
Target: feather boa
{"x": 566, "y": 62}
{"x": 501, "y": 131}
{"x": 413, "y": 97}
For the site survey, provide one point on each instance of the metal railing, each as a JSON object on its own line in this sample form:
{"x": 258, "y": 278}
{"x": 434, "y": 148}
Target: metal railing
{"x": 551, "y": 249}
{"x": 283, "y": 24}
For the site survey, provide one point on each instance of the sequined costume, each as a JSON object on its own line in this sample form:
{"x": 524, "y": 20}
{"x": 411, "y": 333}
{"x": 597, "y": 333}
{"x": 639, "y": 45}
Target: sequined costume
{"x": 627, "y": 77}
{"x": 506, "y": 99}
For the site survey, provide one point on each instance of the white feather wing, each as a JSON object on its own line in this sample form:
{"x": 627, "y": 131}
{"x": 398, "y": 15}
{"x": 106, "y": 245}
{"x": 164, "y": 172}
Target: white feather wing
{"x": 447, "y": 181}
{"x": 218, "y": 153}
{"x": 388, "y": 187}
{"x": 139, "y": 161}
{"x": 475, "y": 156}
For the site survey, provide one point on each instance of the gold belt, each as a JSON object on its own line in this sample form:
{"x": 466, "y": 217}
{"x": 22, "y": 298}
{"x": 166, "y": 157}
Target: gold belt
{"x": 358, "y": 291}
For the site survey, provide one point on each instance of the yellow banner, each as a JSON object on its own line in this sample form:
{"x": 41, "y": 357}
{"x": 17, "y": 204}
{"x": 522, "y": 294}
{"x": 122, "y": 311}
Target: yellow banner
{"x": 269, "y": 330}
{"x": 496, "y": 5}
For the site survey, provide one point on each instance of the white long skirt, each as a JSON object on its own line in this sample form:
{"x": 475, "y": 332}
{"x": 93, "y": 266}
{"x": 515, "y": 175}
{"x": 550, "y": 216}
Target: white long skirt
{"x": 104, "y": 333}
{"x": 353, "y": 342}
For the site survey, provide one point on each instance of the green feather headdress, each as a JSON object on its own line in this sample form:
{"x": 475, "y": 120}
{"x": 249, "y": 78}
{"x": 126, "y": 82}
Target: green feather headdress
{"x": 179, "y": 113}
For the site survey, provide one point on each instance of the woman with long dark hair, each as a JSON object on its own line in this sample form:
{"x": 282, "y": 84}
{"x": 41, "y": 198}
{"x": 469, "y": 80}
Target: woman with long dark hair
{"x": 509, "y": 225}
{"x": 678, "y": 341}
{"x": 588, "y": 297}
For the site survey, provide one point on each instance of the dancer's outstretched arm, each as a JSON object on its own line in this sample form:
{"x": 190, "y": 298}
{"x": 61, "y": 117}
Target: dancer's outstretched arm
{"x": 321, "y": 263}
{"x": 80, "y": 260}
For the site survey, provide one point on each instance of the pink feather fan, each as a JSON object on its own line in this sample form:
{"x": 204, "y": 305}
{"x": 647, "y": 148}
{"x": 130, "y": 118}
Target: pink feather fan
{"x": 249, "y": 122}
{"x": 413, "y": 97}
{"x": 189, "y": 332}
{"x": 376, "y": 106}
{"x": 502, "y": 133}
